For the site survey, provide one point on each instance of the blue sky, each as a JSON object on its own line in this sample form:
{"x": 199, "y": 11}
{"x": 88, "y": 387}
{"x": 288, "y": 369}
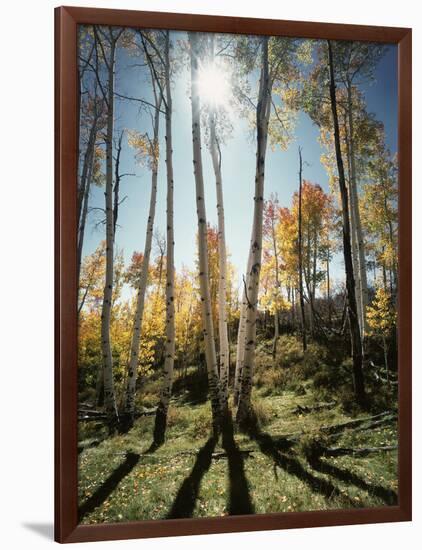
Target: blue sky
{"x": 238, "y": 167}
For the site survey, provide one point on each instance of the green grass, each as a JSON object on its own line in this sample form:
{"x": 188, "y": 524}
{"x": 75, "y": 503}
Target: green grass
{"x": 120, "y": 481}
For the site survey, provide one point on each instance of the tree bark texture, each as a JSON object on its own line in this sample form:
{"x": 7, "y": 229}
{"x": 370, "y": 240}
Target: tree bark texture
{"x": 222, "y": 260}
{"x": 165, "y": 394}
{"x": 350, "y": 281}
{"x": 262, "y": 117}
{"x": 300, "y": 257}
{"x": 129, "y": 406}
{"x": 206, "y": 312}
{"x": 109, "y": 394}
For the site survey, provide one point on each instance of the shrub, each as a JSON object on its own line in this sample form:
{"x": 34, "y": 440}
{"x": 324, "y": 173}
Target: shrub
{"x": 148, "y": 400}
{"x": 200, "y": 425}
{"x": 289, "y": 352}
{"x": 177, "y": 417}
{"x": 272, "y": 379}
{"x": 264, "y": 412}
{"x": 314, "y": 356}
{"x": 333, "y": 377}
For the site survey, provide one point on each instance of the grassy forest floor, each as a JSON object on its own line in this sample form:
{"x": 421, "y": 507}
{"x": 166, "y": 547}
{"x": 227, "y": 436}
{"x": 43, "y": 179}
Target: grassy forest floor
{"x": 312, "y": 450}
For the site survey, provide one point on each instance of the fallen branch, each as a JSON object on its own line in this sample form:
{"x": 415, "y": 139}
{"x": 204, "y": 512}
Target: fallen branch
{"x": 315, "y": 408}
{"x": 336, "y": 430}
{"x": 379, "y": 418}
{"x": 379, "y": 378}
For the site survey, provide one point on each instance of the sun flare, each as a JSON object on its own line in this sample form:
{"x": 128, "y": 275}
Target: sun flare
{"x": 213, "y": 85}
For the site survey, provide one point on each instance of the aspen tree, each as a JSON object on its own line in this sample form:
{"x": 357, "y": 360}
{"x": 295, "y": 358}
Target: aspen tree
{"x": 207, "y": 321}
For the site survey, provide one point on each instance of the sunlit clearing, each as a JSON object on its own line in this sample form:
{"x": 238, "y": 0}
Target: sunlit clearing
{"x": 213, "y": 85}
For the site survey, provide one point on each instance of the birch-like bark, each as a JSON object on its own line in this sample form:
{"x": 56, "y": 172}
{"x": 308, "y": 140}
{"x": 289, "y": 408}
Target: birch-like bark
{"x": 262, "y": 117}
{"x": 117, "y": 178}
{"x": 129, "y": 406}
{"x": 85, "y": 185}
{"x": 300, "y": 257}
{"x": 109, "y": 395}
{"x": 215, "y": 152}
{"x": 314, "y": 273}
{"x": 277, "y": 289}
{"x": 385, "y": 349}
{"x": 241, "y": 334}
{"x": 350, "y": 282}
{"x": 355, "y": 254}
{"x": 165, "y": 394}
{"x": 391, "y": 238}
{"x": 240, "y": 351}
{"x": 363, "y": 283}
{"x": 222, "y": 260}
{"x": 327, "y": 271}
{"x": 84, "y": 215}
{"x": 207, "y": 321}
{"x": 89, "y": 153}
{"x": 308, "y": 276}
{"x": 353, "y": 231}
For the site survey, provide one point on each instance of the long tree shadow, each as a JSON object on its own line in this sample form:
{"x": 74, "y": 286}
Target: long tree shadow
{"x": 105, "y": 490}
{"x": 289, "y": 463}
{"x": 184, "y": 503}
{"x": 239, "y": 498}
{"x": 387, "y": 495}
{"x": 153, "y": 447}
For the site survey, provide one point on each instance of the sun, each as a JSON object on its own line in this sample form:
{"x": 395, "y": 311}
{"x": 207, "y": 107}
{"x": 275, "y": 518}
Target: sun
{"x": 213, "y": 85}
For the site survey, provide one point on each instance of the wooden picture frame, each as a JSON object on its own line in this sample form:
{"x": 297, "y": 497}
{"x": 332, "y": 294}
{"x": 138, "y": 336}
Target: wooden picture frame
{"x": 66, "y": 135}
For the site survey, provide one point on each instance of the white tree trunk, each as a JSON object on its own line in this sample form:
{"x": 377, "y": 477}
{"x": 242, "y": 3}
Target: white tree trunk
{"x": 361, "y": 259}
{"x": 222, "y": 262}
{"x": 84, "y": 214}
{"x": 165, "y": 394}
{"x": 89, "y": 153}
{"x": 241, "y": 334}
{"x": 355, "y": 254}
{"x": 352, "y": 217}
{"x": 109, "y": 395}
{"x": 276, "y": 333}
{"x": 240, "y": 352}
{"x": 262, "y": 117}
{"x": 85, "y": 185}
{"x": 277, "y": 289}
{"x": 129, "y": 406}
{"x": 207, "y": 321}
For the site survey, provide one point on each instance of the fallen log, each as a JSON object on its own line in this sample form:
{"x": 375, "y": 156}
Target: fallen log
{"x": 365, "y": 428}
{"x": 87, "y": 418}
{"x": 363, "y": 451}
{"x": 90, "y": 416}
{"x": 89, "y": 406}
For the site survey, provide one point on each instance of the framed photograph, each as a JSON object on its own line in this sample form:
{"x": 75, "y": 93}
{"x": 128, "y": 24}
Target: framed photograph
{"x": 233, "y": 274}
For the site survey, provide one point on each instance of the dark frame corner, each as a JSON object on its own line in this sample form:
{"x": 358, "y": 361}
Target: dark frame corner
{"x": 66, "y": 523}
